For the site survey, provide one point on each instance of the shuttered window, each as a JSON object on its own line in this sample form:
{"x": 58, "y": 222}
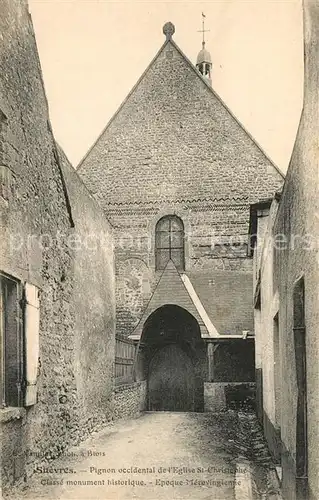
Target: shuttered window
{"x": 19, "y": 338}
{"x": 169, "y": 242}
{"x": 11, "y": 342}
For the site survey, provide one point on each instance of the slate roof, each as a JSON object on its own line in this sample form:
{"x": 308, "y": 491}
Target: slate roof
{"x": 195, "y": 292}
{"x": 227, "y": 299}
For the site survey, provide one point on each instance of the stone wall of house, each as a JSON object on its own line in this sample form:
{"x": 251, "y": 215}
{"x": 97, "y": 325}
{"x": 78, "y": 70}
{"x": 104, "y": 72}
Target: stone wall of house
{"x": 93, "y": 299}
{"x": 298, "y": 220}
{"x": 42, "y": 211}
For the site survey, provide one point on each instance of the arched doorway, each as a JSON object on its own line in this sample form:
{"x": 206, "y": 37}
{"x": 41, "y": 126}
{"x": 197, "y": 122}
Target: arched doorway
{"x": 172, "y": 358}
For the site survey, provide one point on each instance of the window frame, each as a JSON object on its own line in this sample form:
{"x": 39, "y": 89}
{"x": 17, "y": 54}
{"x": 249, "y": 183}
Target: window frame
{"x": 12, "y": 345}
{"x": 300, "y": 352}
{"x": 170, "y": 246}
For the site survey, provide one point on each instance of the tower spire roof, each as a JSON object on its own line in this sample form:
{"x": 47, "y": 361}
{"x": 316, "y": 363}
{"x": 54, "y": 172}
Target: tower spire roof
{"x": 204, "y": 60}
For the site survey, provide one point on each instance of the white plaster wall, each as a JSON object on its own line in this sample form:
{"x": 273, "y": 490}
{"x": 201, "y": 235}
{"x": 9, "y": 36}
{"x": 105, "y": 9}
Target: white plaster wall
{"x": 264, "y": 318}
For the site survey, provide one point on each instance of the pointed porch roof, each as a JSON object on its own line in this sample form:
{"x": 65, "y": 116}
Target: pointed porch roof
{"x": 176, "y": 289}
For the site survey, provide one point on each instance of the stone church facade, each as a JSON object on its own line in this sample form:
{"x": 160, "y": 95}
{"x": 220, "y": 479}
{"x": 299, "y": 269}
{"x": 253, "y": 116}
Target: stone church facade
{"x": 175, "y": 173}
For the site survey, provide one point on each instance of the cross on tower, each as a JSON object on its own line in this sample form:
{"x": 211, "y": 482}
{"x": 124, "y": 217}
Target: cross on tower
{"x": 203, "y": 29}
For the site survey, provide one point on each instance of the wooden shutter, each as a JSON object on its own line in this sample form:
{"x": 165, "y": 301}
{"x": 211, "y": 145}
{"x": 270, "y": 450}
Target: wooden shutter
{"x": 31, "y": 329}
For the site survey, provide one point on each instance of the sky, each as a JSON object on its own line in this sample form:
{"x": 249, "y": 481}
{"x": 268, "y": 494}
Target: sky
{"x": 92, "y": 52}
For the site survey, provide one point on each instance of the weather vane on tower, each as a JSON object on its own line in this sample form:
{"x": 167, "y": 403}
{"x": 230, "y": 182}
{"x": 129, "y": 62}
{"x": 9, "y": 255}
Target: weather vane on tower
{"x": 204, "y": 61}
{"x": 203, "y": 29}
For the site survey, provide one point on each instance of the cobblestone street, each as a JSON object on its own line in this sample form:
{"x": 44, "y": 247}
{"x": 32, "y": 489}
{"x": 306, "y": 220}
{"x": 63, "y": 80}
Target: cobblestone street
{"x": 163, "y": 455}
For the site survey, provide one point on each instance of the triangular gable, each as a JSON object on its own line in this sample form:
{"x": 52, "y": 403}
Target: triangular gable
{"x": 173, "y": 289}
{"x": 204, "y": 81}
{"x": 171, "y": 125}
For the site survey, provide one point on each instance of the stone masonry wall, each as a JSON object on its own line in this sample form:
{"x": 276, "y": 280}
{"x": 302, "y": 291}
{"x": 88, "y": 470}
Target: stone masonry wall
{"x": 213, "y": 244}
{"x": 35, "y": 205}
{"x": 173, "y": 139}
{"x": 94, "y": 303}
{"x": 129, "y": 400}
{"x": 73, "y": 383}
{"x": 173, "y": 147}
{"x": 221, "y": 396}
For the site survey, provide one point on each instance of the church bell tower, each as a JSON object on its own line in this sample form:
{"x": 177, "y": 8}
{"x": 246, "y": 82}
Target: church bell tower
{"x": 204, "y": 60}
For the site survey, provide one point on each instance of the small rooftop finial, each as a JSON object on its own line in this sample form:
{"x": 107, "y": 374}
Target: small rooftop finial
{"x": 168, "y": 30}
{"x": 203, "y": 29}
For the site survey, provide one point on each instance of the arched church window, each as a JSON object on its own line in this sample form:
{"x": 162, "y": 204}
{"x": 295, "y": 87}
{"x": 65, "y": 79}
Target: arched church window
{"x": 169, "y": 242}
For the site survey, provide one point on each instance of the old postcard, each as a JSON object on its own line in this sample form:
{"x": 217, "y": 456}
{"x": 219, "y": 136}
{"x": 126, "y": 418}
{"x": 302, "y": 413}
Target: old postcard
{"x": 159, "y": 249}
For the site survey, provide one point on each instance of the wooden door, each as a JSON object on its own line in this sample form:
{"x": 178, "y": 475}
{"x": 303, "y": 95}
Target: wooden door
{"x": 171, "y": 381}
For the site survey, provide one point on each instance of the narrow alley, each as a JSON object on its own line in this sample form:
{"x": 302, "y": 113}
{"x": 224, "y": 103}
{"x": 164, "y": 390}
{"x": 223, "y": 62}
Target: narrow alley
{"x": 163, "y": 455}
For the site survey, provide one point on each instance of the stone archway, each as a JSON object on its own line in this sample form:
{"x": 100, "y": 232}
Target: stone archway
{"x": 172, "y": 358}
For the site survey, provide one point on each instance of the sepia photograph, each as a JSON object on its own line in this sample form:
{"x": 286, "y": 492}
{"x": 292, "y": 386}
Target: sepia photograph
{"x": 159, "y": 249}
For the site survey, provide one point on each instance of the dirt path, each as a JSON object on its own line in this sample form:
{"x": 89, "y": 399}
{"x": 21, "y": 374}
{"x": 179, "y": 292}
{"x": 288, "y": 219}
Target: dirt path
{"x": 157, "y": 456}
